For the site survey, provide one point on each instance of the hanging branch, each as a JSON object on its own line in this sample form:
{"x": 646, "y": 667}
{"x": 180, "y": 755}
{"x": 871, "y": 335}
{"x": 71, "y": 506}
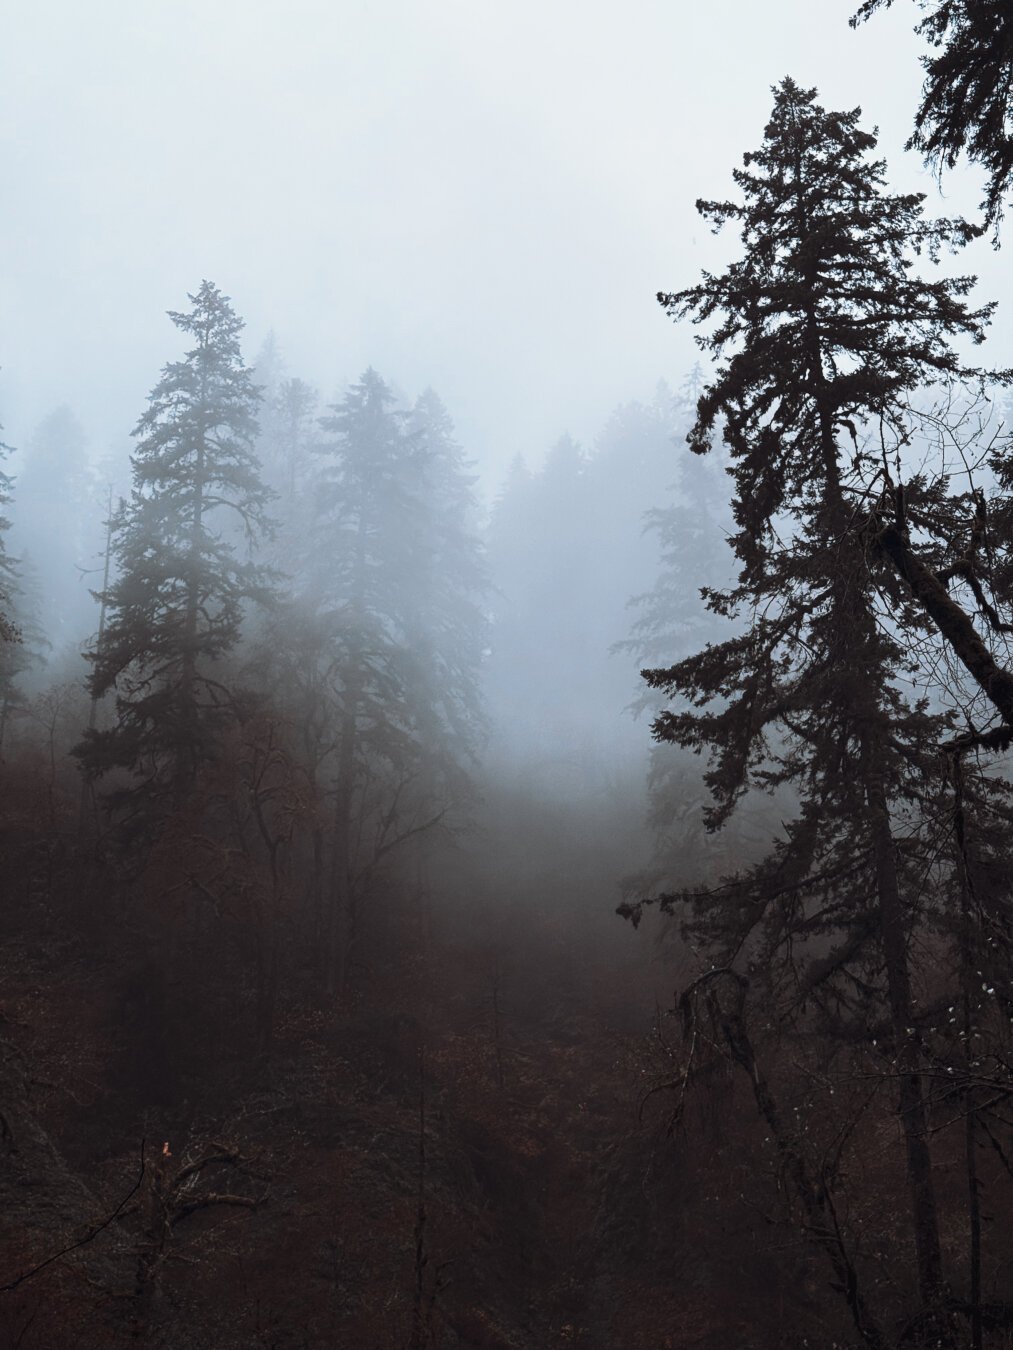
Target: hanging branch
{"x": 88, "y": 1237}
{"x": 956, "y": 627}
{"x": 821, "y": 1220}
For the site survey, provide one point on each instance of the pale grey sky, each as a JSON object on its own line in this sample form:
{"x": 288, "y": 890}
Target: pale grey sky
{"x": 480, "y": 195}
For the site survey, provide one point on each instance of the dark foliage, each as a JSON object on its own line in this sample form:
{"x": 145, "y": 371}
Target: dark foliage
{"x": 175, "y": 608}
{"x": 966, "y": 98}
{"x": 375, "y": 659}
{"x": 827, "y": 331}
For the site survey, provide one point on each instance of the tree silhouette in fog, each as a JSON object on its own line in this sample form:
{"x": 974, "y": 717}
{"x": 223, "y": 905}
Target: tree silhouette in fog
{"x": 12, "y": 649}
{"x": 966, "y": 105}
{"x": 376, "y": 658}
{"x": 54, "y": 490}
{"x": 448, "y": 587}
{"x": 689, "y": 534}
{"x": 23, "y": 643}
{"x": 175, "y": 607}
{"x": 567, "y": 548}
{"x": 826, "y": 332}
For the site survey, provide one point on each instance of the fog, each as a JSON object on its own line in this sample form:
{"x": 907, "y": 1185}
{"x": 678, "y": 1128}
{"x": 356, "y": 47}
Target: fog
{"x": 345, "y": 499}
{"x": 466, "y": 197}
{"x": 477, "y": 197}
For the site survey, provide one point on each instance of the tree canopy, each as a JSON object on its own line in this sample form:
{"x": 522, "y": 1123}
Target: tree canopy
{"x": 825, "y": 329}
{"x": 966, "y": 106}
{"x": 175, "y": 607}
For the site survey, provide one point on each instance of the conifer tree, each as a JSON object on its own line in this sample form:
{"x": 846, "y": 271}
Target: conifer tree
{"x": 568, "y": 546}
{"x": 23, "y": 643}
{"x": 287, "y": 427}
{"x": 55, "y": 497}
{"x": 688, "y": 533}
{"x": 175, "y": 607}
{"x": 447, "y": 633}
{"x": 688, "y": 537}
{"x": 292, "y": 409}
{"x": 389, "y": 627}
{"x": 12, "y": 647}
{"x": 825, "y": 329}
{"x": 966, "y": 106}
{"x": 8, "y": 567}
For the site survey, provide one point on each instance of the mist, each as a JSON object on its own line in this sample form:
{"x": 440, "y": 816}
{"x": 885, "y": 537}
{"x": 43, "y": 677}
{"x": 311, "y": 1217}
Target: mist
{"x": 476, "y": 200}
{"x": 503, "y": 781}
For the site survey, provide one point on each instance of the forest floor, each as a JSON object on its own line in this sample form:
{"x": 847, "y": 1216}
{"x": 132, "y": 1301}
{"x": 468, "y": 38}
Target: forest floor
{"x": 465, "y": 1152}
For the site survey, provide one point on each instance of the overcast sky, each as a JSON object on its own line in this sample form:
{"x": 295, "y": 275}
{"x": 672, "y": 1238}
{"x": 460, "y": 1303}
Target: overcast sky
{"x": 478, "y": 195}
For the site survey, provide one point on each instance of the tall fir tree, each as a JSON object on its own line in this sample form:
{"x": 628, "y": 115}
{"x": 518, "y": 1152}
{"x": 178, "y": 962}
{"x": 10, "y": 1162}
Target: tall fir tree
{"x": 967, "y": 105}
{"x": 175, "y": 607}
{"x": 447, "y": 635}
{"x": 825, "y": 329}
{"x": 386, "y": 635}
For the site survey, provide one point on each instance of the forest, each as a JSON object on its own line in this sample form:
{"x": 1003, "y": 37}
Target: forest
{"x": 571, "y": 913}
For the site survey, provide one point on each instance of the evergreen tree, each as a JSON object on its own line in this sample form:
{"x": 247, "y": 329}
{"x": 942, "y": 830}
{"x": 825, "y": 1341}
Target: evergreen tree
{"x": 268, "y": 371}
{"x": 8, "y": 566}
{"x": 293, "y": 407}
{"x": 966, "y": 106}
{"x": 13, "y": 655}
{"x": 23, "y": 643}
{"x": 55, "y": 501}
{"x": 387, "y": 636}
{"x": 568, "y": 546}
{"x": 286, "y": 446}
{"x": 447, "y": 634}
{"x": 513, "y": 572}
{"x": 687, "y": 537}
{"x": 825, "y": 329}
{"x": 174, "y": 610}
{"x": 630, "y": 472}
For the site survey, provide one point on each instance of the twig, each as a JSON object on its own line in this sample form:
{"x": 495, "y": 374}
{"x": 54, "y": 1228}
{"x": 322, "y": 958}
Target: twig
{"x": 81, "y": 1242}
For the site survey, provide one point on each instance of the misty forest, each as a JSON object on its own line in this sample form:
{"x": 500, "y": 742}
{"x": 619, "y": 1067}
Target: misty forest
{"x": 565, "y": 907}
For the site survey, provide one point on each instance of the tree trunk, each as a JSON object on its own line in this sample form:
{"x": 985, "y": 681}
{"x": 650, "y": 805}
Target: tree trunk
{"x": 342, "y": 918}
{"x": 858, "y": 648}
{"x": 821, "y": 1225}
{"x": 970, "y": 1105}
{"x": 86, "y": 806}
{"x": 186, "y": 754}
{"x": 911, "y": 1105}
{"x": 954, "y": 625}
